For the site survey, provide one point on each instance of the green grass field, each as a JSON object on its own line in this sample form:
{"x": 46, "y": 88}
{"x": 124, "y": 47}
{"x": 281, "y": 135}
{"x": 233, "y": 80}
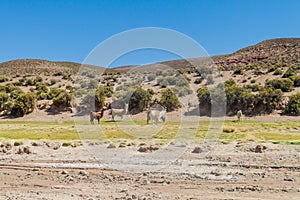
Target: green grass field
{"x": 279, "y": 132}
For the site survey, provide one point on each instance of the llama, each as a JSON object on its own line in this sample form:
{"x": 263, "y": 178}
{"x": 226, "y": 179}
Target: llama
{"x": 156, "y": 116}
{"x": 239, "y": 115}
{"x": 97, "y": 115}
{"x": 119, "y": 112}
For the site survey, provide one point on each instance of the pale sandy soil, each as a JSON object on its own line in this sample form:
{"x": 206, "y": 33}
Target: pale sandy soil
{"x": 229, "y": 171}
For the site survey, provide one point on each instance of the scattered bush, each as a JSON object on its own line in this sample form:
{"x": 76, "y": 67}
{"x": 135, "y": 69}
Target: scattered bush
{"x": 277, "y": 72}
{"x": 169, "y": 100}
{"x": 24, "y": 104}
{"x": 293, "y": 105}
{"x": 151, "y": 77}
{"x": 198, "y": 80}
{"x": 139, "y": 100}
{"x": 285, "y": 85}
{"x": 3, "y": 79}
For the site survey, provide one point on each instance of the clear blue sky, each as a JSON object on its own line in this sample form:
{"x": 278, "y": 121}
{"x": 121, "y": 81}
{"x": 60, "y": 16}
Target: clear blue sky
{"x": 63, "y": 30}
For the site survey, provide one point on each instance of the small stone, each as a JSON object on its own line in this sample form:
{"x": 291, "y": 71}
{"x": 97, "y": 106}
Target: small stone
{"x": 27, "y": 150}
{"x": 259, "y": 148}
{"x": 124, "y": 190}
{"x": 143, "y": 149}
{"x": 83, "y": 173}
{"x": 197, "y": 150}
{"x": 64, "y": 172}
{"x": 111, "y": 146}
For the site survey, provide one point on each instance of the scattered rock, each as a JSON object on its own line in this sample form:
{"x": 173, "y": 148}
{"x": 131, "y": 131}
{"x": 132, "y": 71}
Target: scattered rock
{"x": 64, "y": 172}
{"x": 22, "y": 150}
{"x": 53, "y": 145}
{"x": 259, "y": 148}
{"x": 148, "y": 149}
{"x": 27, "y": 149}
{"x": 111, "y": 146}
{"x": 83, "y": 173}
{"x": 197, "y": 150}
{"x": 289, "y": 179}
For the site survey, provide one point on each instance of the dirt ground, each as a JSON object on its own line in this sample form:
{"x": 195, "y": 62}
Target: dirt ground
{"x": 228, "y": 171}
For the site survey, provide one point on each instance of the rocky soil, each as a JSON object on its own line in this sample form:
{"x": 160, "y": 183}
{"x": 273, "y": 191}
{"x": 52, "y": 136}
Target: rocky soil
{"x": 231, "y": 171}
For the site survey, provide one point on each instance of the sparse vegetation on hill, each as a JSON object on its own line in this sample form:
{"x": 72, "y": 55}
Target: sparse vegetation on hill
{"x": 259, "y": 79}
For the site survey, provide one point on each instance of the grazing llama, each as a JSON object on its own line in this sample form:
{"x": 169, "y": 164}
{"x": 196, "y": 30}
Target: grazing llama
{"x": 239, "y": 115}
{"x": 119, "y": 112}
{"x": 97, "y": 115}
{"x": 156, "y": 116}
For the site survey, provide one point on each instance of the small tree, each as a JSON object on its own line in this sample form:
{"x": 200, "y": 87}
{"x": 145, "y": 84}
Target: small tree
{"x": 100, "y": 96}
{"x": 24, "y": 104}
{"x": 293, "y": 105}
{"x": 169, "y": 100}
{"x": 139, "y": 99}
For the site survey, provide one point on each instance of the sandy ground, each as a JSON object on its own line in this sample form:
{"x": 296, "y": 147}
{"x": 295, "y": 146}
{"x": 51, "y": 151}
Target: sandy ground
{"x": 231, "y": 171}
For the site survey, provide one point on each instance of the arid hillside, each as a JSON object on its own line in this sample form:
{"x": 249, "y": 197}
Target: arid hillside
{"x": 259, "y": 79}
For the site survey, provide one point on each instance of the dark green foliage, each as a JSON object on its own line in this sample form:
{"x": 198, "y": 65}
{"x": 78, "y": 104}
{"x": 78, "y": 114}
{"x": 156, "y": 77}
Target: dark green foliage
{"x": 238, "y": 71}
{"x": 229, "y": 83}
{"x": 267, "y": 100}
{"x": 24, "y": 104}
{"x": 240, "y": 98}
{"x": 3, "y": 79}
{"x": 55, "y": 92}
{"x": 38, "y": 79}
{"x": 292, "y": 71}
{"x": 29, "y": 82}
{"x": 3, "y": 100}
{"x": 278, "y": 72}
{"x": 52, "y": 82}
{"x": 293, "y": 105}
{"x": 63, "y": 99}
{"x": 198, "y": 80}
{"x": 169, "y": 100}
{"x": 297, "y": 81}
{"x": 100, "y": 96}
{"x": 139, "y": 100}
{"x": 285, "y": 85}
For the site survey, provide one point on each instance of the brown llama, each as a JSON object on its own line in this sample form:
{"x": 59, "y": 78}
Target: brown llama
{"x": 97, "y": 115}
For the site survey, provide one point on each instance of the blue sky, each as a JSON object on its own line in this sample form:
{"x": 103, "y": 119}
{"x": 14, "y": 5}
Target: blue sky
{"x": 68, "y": 30}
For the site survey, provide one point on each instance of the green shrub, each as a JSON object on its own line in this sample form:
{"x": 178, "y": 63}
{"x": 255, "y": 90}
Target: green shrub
{"x": 171, "y": 80}
{"x": 293, "y": 105}
{"x": 183, "y": 91}
{"x": 52, "y": 81}
{"x": 285, "y": 85}
{"x": 198, "y": 80}
{"x": 38, "y": 79}
{"x": 238, "y": 71}
{"x": 139, "y": 100}
{"x": 278, "y": 72}
{"x": 3, "y": 99}
{"x": 151, "y": 77}
{"x": 169, "y": 100}
{"x": 54, "y": 92}
{"x": 292, "y": 71}
{"x": 30, "y": 82}
{"x": 24, "y": 104}
{"x": 297, "y": 81}
{"x": 3, "y": 79}
{"x": 63, "y": 99}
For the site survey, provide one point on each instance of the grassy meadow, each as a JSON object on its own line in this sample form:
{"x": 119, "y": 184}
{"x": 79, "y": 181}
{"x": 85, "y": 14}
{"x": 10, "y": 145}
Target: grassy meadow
{"x": 243, "y": 131}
